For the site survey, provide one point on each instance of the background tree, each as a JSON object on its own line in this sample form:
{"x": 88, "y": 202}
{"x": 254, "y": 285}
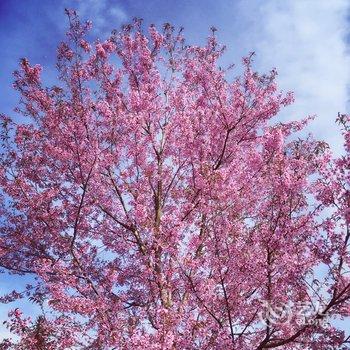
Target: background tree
{"x": 159, "y": 207}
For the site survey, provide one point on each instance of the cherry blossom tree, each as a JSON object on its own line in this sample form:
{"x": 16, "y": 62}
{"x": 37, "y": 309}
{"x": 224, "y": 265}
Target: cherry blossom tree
{"x": 156, "y": 204}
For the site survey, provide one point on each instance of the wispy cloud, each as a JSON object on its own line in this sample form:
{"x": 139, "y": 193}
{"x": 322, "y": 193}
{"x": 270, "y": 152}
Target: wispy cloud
{"x": 306, "y": 41}
{"x": 105, "y": 14}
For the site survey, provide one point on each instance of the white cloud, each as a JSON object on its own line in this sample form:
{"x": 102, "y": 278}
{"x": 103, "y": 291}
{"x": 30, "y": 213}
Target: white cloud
{"x": 305, "y": 41}
{"x": 104, "y": 14}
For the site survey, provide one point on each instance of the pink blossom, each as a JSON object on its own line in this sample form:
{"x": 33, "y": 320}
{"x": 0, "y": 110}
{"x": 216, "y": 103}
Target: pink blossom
{"x": 157, "y": 205}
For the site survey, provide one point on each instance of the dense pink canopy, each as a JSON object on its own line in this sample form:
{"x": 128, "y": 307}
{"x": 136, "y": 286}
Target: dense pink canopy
{"x": 159, "y": 206}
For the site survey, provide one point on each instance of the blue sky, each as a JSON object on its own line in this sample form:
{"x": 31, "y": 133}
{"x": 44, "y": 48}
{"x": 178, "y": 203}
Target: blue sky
{"x": 306, "y": 40}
